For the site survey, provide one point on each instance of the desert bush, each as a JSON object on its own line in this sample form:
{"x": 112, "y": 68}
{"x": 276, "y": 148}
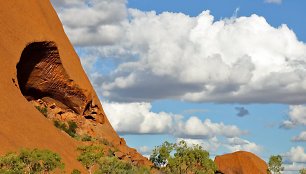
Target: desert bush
{"x": 30, "y": 161}
{"x": 42, "y": 110}
{"x": 72, "y": 126}
{"x": 184, "y": 160}
{"x": 112, "y": 165}
{"x": 86, "y": 138}
{"x": 75, "y": 171}
{"x": 94, "y": 157}
{"x": 70, "y": 129}
{"x": 90, "y": 155}
{"x": 105, "y": 142}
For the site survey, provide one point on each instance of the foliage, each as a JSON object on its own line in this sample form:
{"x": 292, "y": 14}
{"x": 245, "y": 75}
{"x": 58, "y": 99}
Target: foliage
{"x": 30, "y": 161}
{"x": 90, "y": 156}
{"x": 75, "y": 171}
{"x": 70, "y": 129}
{"x": 275, "y": 164}
{"x": 11, "y": 163}
{"x": 105, "y": 142}
{"x": 303, "y": 171}
{"x": 72, "y": 126}
{"x": 93, "y": 156}
{"x": 86, "y": 138}
{"x": 112, "y": 165}
{"x": 184, "y": 160}
{"x": 42, "y": 110}
{"x": 161, "y": 154}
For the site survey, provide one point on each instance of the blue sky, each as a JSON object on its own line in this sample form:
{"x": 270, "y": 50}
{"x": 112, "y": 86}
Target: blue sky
{"x": 229, "y": 79}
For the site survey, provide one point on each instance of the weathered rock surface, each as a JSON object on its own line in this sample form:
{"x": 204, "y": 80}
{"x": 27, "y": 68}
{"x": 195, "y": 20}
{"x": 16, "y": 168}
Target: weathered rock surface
{"x": 241, "y": 163}
{"x": 40, "y": 67}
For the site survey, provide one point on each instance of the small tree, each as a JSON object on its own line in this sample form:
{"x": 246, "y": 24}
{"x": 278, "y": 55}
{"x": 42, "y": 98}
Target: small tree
{"x": 185, "y": 159}
{"x": 90, "y": 155}
{"x": 161, "y": 154}
{"x": 11, "y": 163}
{"x": 112, "y": 165}
{"x": 303, "y": 171}
{"x": 275, "y": 164}
{"x": 30, "y": 161}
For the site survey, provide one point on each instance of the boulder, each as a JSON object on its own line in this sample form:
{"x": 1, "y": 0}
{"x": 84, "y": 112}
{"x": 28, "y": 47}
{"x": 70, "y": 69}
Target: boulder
{"x": 241, "y": 162}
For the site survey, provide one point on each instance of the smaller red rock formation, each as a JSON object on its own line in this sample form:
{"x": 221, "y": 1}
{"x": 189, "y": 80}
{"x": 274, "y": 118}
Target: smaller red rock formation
{"x": 241, "y": 163}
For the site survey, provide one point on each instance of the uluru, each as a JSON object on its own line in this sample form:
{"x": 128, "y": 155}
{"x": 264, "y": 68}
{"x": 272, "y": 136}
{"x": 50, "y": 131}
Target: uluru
{"x": 39, "y": 68}
{"x": 163, "y": 87}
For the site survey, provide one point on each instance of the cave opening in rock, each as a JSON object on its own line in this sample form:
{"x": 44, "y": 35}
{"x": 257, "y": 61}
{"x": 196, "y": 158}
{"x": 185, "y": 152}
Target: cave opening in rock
{"x": 30, "y": 62}
{"x": 40, "y": 74}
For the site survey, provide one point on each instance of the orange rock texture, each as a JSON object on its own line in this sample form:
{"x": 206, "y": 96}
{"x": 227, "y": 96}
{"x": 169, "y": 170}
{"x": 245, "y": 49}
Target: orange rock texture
{"x": 241, "y": 163}
{"x": 40, "y": 67}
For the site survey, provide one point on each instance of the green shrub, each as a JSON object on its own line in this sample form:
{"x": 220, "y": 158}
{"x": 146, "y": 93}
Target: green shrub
{"x": 180, "y": 158}
{"x": 42, "y": 110}
{"x": 11, "y": 163}
{"x": 70, "y": 129}
{"x": 105, "y": 142}
{"x": 30, "y": 161}
{"x": 112, "y": 165}
{"x": 90, "y": 156}
{"x": 86, "y": 138}
{"x": 72, "y": 126}
{"x": 75, "y": 171}
{"x": 94, "y": 155}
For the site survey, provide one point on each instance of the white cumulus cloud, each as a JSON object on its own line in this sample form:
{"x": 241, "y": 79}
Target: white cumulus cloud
{"x": 293, "y": 168}
{"x": 238, "y": 144}
{"x": 296, "y": 116}
{"x": 92, "y": 22}
{"x": 196, "y": 128}
{"x": 294, "y": 160}
{"x": 211, "y": 144}
{"x": 138, "y": 118}
{"x": 300, "y": 137}
{"x": 199, "y": 59}
{"x": 231, "y": 144}
{"x": 296, "y": 154}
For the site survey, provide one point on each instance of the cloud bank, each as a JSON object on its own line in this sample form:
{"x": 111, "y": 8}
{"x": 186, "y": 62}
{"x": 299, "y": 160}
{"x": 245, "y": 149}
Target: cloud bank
{"x": 296, "y": 116}
{"x": 137, "y": 118}
{"x": 197, "y": 59}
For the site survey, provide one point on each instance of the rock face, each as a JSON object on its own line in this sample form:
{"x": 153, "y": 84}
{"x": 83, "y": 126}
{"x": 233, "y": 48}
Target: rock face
{"x": 241, "y": 163}
{"x": 40, "y": 67}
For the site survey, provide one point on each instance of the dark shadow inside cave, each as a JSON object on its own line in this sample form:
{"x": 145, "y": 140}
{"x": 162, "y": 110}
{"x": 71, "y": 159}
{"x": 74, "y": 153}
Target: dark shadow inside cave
{"x": 31, "y": 56}
{"x": 40, "y": 74}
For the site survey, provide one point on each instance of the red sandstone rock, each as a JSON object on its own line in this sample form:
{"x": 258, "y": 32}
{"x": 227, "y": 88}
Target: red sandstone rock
{"x": 241, "y": 163}
{"x": 39, "y": 64}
